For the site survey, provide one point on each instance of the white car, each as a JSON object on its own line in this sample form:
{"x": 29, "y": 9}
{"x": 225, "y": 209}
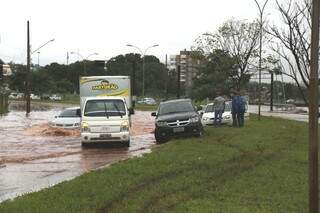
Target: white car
{"x": 208, "y": 115}
{"x": 148, "y": 101}
{"x": 15, "y": 95}
{"x": 55, "y": 98}
{"x": 69, "y": 118}
{"x": 34, "y": 97}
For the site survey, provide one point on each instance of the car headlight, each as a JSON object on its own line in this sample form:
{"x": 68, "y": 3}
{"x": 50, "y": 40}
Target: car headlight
{"x": 52, "y": 123}
{"x": 124, "y": 127}
{"x": 194, "y": 119}
{"x": 85, "y": 127}
{"x": 205, "y": 119}
{"x": 161, "y": 123}
{"x": 77, "y": 124}
{"x": 226, "y": 117}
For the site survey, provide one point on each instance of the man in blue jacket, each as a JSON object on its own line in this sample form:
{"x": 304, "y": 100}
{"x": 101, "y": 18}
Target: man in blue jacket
{"x": 238, "y": 109}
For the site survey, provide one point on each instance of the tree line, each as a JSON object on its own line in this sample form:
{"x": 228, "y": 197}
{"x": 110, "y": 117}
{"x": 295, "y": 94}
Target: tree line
{"x": 62, "y": 78}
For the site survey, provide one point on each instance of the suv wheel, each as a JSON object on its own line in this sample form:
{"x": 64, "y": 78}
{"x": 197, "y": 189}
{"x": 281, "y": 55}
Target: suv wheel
{"x": 159, "y": 138}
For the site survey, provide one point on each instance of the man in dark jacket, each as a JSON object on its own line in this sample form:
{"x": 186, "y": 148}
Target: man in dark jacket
{"x": 238, "y": 109}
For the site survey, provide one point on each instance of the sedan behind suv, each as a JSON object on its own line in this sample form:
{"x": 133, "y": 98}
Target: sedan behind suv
{"x": 69, "y": 118}
{"x": 176, "y": 118}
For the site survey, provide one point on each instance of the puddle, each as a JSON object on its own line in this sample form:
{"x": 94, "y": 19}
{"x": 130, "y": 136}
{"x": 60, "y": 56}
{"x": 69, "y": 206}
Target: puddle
{"x": 32, "y": 151}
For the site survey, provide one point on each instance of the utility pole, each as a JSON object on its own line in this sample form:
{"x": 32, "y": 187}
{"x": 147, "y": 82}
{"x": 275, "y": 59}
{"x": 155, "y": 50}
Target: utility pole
{"x": 27, "y": 94}
{"x": 178, "y": 81}
{"x": 313, "y": 112}
{"x": 271, "y": 92}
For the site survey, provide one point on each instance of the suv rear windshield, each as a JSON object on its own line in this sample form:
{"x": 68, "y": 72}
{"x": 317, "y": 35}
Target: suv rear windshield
{"x": 96, "y": 108}
{"x": 176, "y": 107}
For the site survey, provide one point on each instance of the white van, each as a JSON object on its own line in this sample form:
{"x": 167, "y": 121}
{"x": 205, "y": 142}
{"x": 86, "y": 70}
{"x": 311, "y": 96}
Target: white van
{"x": 105, "y": 119}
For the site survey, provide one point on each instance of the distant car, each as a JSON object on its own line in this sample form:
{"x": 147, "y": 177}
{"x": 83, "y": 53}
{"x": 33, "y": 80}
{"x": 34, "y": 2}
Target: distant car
{"x": 69, "y": 118}
{"x": 34, "y": 97}
{"x": 55, "y": 98}
{"x": 208, "y": 115}
{"x": 148, "y": 101}
{"x": 176, "y": 118}
{"x": 290, "y": 101}
{"x": 15, "y": 95}
{"x": 45, "y": 96}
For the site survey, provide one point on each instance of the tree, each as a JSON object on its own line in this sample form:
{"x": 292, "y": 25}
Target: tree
{"x": 240, "y": 40}
{"x": 18, "y": 77}
{"x": 293, "y": 41}
{"x": 131, "y": 64}
{"x": 219, "y": 73}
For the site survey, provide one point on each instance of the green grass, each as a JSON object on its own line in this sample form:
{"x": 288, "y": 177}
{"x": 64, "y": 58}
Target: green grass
{"x": 145, "y": 107}
{"x": 260, "y": 168}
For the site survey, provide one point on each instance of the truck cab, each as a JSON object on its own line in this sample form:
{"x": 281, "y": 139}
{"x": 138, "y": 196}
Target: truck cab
{"x": 105, "y": 119}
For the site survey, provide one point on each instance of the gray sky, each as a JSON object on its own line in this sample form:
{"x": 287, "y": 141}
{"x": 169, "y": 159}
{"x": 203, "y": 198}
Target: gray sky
{"x": 107, "y": 26}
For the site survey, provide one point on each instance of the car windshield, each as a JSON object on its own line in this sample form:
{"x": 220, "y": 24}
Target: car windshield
{"x": 96, "y": 108}
{"x": 210, "y": 108}
{"x": 70, "y": 113}
{"x": 176, "y": 107}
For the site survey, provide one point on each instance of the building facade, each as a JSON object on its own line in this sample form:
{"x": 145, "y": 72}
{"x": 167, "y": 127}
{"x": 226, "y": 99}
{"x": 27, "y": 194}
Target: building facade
{"x": 189, "y": 67}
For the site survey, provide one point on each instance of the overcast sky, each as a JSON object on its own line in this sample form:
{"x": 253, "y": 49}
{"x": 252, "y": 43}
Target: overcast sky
{"x": 107, "y": 26}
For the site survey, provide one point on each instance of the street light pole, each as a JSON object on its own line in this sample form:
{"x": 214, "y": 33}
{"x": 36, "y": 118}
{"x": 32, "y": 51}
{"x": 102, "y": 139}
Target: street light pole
{"x": 143, "y": 61}
{"x": 84, "y": 59}
{"x": 42, "y": 46}
{"x": 38, "y": 60}
{"x": 261, "y": 10}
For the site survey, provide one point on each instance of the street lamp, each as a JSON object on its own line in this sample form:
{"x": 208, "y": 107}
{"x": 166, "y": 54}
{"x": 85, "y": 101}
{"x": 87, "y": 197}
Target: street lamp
{"x": 84, "y": 59}
{"x": 143, "y": 61}
{"x": 42, "y": 46}
{"x": 261, "y": 10}
{"x": 37, "y": 50}
{"x": 29, "y": 53}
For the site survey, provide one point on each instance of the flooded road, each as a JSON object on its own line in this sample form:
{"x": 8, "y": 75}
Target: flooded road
{"x": 34, "y": 156}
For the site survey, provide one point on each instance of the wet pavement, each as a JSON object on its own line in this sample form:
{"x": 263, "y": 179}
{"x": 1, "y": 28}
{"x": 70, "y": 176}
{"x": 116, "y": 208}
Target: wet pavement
{"x": 300, "y": 114}
{"x": 34, "y": 156}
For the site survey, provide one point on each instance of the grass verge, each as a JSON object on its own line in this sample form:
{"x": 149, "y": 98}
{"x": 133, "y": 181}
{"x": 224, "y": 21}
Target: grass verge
{"x": 259, "y": 168}
{"x": 145, "y": 107}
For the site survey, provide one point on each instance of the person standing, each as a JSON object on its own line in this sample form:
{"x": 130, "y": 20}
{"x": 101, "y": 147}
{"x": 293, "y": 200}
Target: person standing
{"x": 238, "y": 109}
{"x": 219, "y": 106}
{"x": 233, "y": 110}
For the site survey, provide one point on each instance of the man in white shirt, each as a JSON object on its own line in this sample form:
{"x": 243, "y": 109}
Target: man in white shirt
{"x": 219, "y": 105}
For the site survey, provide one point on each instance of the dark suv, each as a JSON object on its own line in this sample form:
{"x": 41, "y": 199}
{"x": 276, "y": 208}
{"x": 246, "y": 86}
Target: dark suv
{"x": 176, "y": 118}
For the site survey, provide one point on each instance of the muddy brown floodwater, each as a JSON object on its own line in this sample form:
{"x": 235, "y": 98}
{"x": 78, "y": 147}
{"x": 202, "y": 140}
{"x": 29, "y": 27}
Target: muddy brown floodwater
{"x": 34, "y": 156}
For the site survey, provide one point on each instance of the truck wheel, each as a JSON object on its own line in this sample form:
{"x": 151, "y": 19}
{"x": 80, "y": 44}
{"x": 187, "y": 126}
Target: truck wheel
{"x": 84, "y": 145}
{"x": 127, "y": 143}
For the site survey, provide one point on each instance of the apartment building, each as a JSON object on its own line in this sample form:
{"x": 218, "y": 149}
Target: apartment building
{"x": 188, "y": 69}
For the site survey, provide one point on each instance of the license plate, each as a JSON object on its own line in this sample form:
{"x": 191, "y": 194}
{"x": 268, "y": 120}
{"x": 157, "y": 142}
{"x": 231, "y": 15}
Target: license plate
{"x": 105, "y": 135}
{"x": 178, "y": 129}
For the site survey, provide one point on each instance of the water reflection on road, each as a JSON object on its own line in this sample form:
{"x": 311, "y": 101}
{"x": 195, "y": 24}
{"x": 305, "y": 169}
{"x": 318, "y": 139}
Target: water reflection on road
{"x": 34, "y": 156}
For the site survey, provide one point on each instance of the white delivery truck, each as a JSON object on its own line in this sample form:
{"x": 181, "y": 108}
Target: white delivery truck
{"x": 106, "y": 106}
